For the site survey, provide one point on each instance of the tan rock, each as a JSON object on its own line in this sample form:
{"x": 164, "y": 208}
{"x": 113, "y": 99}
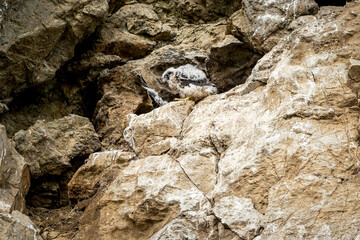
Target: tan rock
{"x": 48, "y": 148}
{"x": 146, "y": 196}
{"x": 239, "y": 215}
{"x": 92, "y": 175}
{"x": 154, "y": 133}
{"x": 17, "y": 226}
{"x": 121, "y": 34}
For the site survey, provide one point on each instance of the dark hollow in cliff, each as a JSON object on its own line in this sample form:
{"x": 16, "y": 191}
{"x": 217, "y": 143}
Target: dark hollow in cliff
{"x": 51, "y": 191}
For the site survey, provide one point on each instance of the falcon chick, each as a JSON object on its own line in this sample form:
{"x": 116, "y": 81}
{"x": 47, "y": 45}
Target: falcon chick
{"x": 189, "y": 82}
{"x": 157, "y": 101}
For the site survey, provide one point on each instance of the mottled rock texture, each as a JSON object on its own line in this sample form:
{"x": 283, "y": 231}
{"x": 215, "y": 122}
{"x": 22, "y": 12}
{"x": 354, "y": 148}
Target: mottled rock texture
{"x": 14, "y": 176}
{"x": 262, "y": 24}
{"x": 276, "y": 160}
{"x": 154, "y": 133}
{"x": 49, "y": 147}
{"x": 99, "y": 170}
{"x": 14, "y": 185}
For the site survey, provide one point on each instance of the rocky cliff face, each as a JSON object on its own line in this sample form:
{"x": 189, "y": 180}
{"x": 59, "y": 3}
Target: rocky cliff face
{"x": 274, "y": 155}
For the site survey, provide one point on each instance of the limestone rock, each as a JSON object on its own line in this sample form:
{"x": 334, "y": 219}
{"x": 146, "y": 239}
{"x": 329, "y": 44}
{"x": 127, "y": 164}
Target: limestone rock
{"x": 239, "y": 215}
{"x": 49, "y": 147}
{"x": 18, "y": 226}
{"x": 290, "y": 146}
{"x": 149, "y": 194}
{"x": 92, "y": 175}
{"x": 230, "y": 63}
{"x": 262, "y": 24}
{"x": 38, "y": 38}
{"x": 14, "y": 176}
{"x": 154, "y": 133}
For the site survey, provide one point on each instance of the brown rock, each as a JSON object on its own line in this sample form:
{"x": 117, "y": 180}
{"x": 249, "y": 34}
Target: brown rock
{"x": 49, "y": 147}
{"x": 140, "y": 19}
{"x": 120, "y": 96}
{"x": 120, "y": 35}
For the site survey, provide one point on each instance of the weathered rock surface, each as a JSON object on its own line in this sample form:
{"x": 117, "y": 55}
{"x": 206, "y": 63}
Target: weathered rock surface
{"x": 262, "y": 24}
{"x": 274, "y": 158}
{"x": 99, "y": 170}
{"x": 49, "y": 147}
{"x": 124, "y": 33}
{"x": 17, "y": 226}
{"x": 155, "y": 132}
{"x": 14, "y": 176}
{"x": 277, "y": 161}
{"x": 149, "y": 195}
{"x": 39, "y": 37}
{"x": 239, "y": 215}
{"x": 14, "y": 185}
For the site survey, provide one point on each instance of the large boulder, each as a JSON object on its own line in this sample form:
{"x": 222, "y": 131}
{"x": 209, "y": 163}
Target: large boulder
{"x": 18, "y": 226}
{"x": 49, "y": 147}
{"x": 262, "y": 24}
{"x": 154, "y": 133}
{"x": 39, "y": 37}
